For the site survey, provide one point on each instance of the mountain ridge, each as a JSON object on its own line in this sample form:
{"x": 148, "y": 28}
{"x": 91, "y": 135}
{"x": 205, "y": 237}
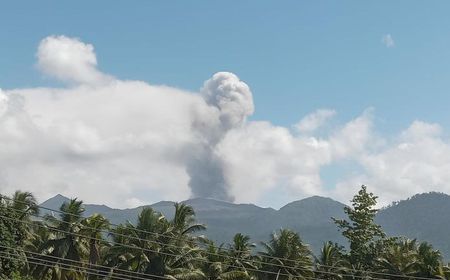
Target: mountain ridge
{"x": 414, "y": 217}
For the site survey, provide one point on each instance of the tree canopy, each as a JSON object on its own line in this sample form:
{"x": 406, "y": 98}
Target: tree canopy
{"x": 69, "y": 245}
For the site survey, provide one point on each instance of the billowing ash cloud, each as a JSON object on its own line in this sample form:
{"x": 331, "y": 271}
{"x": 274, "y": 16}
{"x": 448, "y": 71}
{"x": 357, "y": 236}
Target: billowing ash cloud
{"x": 233, "y": 102}
{"x": 231, "y": 96}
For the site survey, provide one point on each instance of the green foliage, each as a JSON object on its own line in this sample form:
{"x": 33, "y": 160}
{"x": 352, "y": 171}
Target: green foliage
{"x": 360, "y": 230}
{"x": 331, "y": 264}
{"x": 12, "y": 238}
{"x": 287, "y": 255}
{"x": 173, "y": 250}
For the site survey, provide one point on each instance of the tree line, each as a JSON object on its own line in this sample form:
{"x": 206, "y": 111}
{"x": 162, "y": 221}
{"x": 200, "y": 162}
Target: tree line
{"x": 66, "y": 245}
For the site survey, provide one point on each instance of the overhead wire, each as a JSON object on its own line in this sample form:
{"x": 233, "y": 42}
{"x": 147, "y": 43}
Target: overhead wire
{"x": 66, "y": 267}
{"x": 221, "y": 255}
{"x": 159, "y": 252}
{"x": 84, "y": 265}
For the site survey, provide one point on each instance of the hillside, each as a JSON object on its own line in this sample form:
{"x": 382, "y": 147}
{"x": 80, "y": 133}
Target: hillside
{"x": 423, "y": 216}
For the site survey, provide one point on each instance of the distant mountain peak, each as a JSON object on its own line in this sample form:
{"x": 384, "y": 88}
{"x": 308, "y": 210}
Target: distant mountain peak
{"x": 57, "y": 198}
{"x": 316, "y": 201}
{"x": 54, "y": 202}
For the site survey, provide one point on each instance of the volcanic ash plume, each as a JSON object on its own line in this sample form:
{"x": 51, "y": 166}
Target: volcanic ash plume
{"x": 233, "y": 102}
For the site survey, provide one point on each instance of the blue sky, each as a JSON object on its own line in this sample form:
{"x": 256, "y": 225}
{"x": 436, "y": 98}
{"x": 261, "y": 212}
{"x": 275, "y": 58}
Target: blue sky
{"x": 296, "y": 56}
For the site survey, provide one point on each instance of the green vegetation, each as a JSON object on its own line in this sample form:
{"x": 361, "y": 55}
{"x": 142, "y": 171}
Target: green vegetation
{"x": 66, "y": 245}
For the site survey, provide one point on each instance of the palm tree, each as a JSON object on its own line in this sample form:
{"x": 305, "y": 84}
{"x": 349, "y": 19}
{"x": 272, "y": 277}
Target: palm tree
{"x": 24, "y": 203}
{"x": 409, "y": 258}
{"x": 399, "y": 258}
{"x": 22, "y": 206}
{"x": 94, "y": 227}
{"x": 286, "y": 256}
{"x": 429, "y": 260}
{"x": 443, "y": 271}
{"x": 216, "y": 264}
{"x": 134, "y": 246}
{"x": 67, "y": 242}
{"x": 331, "y": 263}
{"x": 157, "y": 246}
{"x": 183, "y": 222}
{"x": 240, "y": 253}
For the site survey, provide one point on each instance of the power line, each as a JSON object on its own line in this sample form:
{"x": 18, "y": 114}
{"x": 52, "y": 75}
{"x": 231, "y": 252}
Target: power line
{"x": 175, "y": 246}
{"x": 249, "y": 269}
{"x": 211, "y": 253}
{"x": 144, "y": 231}
{"x": 44, "y": 262}
{"x": 56, "y": 259}
{"x": 66, "y": 267}
{"x": 159, "y": 252}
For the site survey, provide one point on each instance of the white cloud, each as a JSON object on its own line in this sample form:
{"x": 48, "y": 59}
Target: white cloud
{"x": 261, "y": 157}
{"x": 388, "y": 41}
{"x": 315, "y": 120}
{"x": 102, "y": 144}
{"x": 355, "y": 137}
{"x": 3, "y": 103}
{"x": 124, "y": 143}
{"x": 70, "y": 60}
{"x": 417, "y": 161}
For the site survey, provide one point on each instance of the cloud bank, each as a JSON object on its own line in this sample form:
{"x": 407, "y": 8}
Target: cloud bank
{"x": 126, "y": 143}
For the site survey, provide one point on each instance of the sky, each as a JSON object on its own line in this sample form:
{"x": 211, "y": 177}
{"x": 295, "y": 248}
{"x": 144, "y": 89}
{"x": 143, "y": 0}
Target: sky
{"x": 251, "y": 101}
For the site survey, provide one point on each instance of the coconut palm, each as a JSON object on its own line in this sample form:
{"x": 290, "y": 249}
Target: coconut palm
{"x": 134, "y": 246}
{"x": 399, "y": 258}
{"x": 331, "y": 263}
{"x": 217, "y": 265}
{"x": 22, "y": 206}
{"x": 24, "y": 203}
{"x": 66, "y": 242}
{"x": 443, "y": 271}
{"x": 287, "y": 257}
{"x": 240, "y": 253}
{"x": 94, "y": 228}
{"x": 429, "y": 260}
{"x": 155, "y": 245}
{"x": 183, "y": 222}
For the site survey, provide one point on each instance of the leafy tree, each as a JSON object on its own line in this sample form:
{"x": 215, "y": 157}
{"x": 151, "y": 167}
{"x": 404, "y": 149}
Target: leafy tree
{"x": 12, "y": 237}
{"x": 170, "y": 248}
{"x": 361, "y": 230}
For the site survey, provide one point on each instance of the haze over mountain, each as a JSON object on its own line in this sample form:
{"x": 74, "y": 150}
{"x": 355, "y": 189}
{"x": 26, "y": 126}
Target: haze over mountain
{"x": 423, "y": 216}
